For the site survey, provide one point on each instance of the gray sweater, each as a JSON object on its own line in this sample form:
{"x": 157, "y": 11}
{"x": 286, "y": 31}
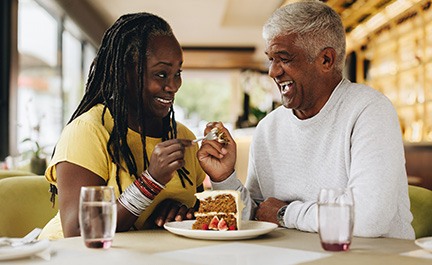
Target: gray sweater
{"x": 354, "y": 141}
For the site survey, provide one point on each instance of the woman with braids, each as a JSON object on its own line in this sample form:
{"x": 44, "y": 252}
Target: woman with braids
{"x": 123, "y": 133}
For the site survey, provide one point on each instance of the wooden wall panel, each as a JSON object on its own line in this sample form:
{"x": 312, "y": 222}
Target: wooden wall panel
{"x": 419, "y": 165}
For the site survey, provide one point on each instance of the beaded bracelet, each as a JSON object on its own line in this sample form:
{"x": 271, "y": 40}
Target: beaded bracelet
{"x": 140, "y": 194}
{"x": 148, "y": 176}
{"x": 148, "y": 186}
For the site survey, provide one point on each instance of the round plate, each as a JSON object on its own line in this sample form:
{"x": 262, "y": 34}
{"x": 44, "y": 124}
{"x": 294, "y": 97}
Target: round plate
{"x": 249, "y": 229}
{"x": 27, "y": 250}
{"x": 425, "y": 243}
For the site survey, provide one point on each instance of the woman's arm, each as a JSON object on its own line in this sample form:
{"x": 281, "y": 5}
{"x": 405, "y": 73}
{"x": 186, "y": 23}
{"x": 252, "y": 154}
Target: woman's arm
{"x": 166, "y": 158}
{"x": 70, "y": 179}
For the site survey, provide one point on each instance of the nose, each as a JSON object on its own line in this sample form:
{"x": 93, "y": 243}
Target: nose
{"x": 173, "y": 85}
{"x": 275, "y": 70}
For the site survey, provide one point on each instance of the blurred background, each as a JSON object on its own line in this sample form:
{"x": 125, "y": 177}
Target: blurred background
{"x": 47, "y": 47}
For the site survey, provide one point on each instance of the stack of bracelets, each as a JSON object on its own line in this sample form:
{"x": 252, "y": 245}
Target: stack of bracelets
{"x": 140, "y": 194}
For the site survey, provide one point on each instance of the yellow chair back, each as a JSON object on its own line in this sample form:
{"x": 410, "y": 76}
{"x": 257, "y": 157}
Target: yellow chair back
{"x": 13, "y": 173}
{"x": 421, "y": 208}
{"x": 25, "y": 204}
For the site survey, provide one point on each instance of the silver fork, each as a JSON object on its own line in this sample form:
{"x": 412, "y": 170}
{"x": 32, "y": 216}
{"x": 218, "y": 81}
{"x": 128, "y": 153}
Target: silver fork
{"x": 210, "y": 136}
{"x": 29, "y": 238}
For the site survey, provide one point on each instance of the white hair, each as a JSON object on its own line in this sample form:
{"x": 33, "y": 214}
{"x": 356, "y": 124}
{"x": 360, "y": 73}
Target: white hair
{"x": 316, "y": 25}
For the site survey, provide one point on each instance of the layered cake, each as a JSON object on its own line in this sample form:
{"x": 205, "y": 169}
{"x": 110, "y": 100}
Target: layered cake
{"x": 218, "y": 210}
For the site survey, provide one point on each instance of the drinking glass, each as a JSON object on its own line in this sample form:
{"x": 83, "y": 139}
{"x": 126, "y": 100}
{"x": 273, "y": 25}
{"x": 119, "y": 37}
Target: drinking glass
{"x": 97, "y": 216}
{"x": 335, "y": 218}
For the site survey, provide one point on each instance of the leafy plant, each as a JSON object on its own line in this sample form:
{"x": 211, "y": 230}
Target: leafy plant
{"x": 37, "y": 150}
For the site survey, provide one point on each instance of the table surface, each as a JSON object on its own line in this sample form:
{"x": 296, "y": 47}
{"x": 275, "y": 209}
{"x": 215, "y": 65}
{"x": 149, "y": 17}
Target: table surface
{"x": 281, "y": 246}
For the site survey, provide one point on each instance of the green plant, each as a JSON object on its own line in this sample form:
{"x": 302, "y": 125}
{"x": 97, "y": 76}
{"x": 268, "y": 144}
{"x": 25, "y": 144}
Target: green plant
{"x": 38, "y": 162}
{"x": 37, "y": 150}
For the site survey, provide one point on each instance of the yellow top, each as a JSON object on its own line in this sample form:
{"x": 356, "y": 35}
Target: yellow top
{"x": 84, "y": 142}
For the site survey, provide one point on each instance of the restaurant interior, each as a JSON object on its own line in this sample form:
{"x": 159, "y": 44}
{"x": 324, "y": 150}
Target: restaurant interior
{"x": 47, "y": 46}
{"x": 388, "y": 47}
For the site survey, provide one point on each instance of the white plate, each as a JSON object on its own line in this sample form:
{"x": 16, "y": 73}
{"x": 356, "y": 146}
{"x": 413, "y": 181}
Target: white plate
{"x": 9, "y": 253}
{"x": 425, "y": 243}
{"x": 249, "y": 229}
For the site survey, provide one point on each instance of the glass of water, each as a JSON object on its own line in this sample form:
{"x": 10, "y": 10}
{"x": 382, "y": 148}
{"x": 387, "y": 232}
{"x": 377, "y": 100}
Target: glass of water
{"x": 335, "y": 218}
{"x": 97, "y": 216}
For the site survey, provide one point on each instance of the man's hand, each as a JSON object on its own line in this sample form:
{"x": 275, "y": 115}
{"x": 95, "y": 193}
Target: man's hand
{"x": 217, "y": 159}
{"x": 267, "y": 210}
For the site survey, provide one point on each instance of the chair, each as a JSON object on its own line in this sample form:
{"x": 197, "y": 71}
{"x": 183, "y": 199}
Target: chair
{"x": 25, "y": 204}
{"x": 243, "y": 147}
{"x": 421, "y": 208}
{"x": 13, "y": 173}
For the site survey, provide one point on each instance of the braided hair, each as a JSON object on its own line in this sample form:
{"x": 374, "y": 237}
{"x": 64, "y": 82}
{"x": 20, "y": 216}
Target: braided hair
{"x": 123, "y": 44}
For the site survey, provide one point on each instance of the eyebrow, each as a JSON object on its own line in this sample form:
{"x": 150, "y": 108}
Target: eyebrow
{"x": 163, "y": 63}
{"x": 281, "y": 52}
{"x": 167, "y": 63}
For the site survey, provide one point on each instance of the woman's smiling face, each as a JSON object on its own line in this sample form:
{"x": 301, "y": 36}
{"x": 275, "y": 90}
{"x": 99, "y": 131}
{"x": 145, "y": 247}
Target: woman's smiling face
{"x": 162, "y": 76}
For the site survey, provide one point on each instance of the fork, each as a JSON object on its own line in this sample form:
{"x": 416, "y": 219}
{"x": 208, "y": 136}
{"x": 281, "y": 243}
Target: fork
{"x": 210, "y": 136}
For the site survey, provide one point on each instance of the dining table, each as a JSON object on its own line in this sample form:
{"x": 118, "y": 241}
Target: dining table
{"x": 279, "y": 246}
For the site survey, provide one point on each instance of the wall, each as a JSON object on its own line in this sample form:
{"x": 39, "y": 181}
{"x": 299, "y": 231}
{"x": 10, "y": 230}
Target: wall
{"x": 419, "y": 165}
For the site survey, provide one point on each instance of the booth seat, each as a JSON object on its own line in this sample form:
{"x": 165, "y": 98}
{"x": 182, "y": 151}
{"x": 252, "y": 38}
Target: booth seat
{"x": 421, "y": 208}
{"x": 6, "y": 173}
{"x": 25, "y": 205}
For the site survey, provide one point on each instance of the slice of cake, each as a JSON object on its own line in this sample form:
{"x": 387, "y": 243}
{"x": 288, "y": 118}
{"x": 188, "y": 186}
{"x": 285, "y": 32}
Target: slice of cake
{"x": 218, "y": 210}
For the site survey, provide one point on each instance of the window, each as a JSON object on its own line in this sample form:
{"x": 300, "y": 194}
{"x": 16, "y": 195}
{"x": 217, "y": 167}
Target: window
{"x": 72, "y": 72}
{"x": 39, "y": 105}
{"x": 52, "y": 56}
{"x": 203, "y": 97}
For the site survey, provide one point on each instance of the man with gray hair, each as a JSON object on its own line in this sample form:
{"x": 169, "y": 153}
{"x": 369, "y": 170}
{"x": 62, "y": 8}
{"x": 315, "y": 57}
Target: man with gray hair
{"x": 329, "y": 132}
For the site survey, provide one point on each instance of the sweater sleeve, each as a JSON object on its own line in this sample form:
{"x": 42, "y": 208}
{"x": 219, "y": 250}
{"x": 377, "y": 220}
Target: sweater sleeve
{"x": 251, "y": 196}
{"x": 233, "y": 183}
{"x": 377, "y": 173}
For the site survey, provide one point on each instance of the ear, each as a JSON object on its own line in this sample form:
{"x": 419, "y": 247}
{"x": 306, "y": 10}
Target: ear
{"x": 327, "y": 58}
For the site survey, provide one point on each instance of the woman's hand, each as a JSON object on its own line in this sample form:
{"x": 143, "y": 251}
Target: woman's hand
{"x": 170, "y": 210}
{"x": 217, "y": 159}
{"x": 166, "y": 158}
